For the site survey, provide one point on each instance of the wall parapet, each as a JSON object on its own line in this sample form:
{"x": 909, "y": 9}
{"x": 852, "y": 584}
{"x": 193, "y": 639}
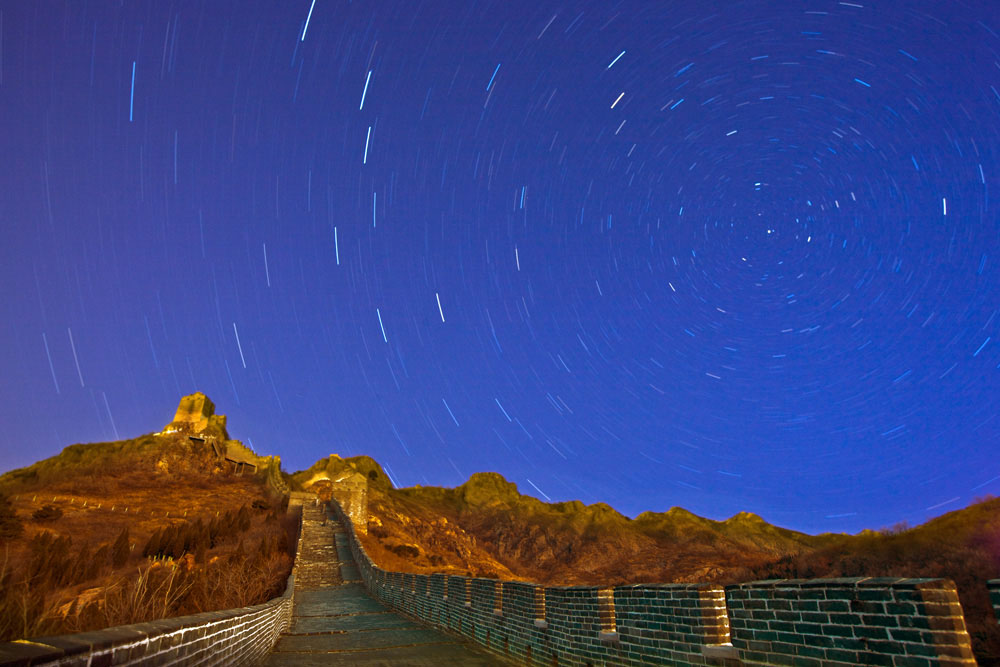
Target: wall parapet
{"x": 818, "y": 622}
{"x": 847, "y": 621}
{"x": 994, "y": 586}
{"x": 274, "y": 479}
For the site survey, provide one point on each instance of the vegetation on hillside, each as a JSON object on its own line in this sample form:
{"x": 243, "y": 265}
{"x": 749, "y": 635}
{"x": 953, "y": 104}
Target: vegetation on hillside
{"x": 136, "y": 530}
{"x": 10, "y": 522}
{"x": 485, "y": 527}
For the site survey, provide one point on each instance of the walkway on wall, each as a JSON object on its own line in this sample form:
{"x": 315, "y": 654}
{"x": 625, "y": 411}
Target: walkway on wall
{"x": 336, "y": 622}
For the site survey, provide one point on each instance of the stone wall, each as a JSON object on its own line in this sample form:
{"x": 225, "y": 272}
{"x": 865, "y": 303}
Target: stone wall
{"x": 821, "y": 622}
{"x": 994, "y": 585}
{"x": 274, "y": 479}
{"x": 351, "y": 491}
{"x": 847, "y": 621}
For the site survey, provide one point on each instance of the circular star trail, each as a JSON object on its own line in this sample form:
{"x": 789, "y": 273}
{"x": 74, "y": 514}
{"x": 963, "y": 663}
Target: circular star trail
{"x": 733, "y": 256}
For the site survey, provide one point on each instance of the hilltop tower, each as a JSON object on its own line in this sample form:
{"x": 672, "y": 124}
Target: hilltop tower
{"x": 195, "y": 415}
{"x": 196, "y": 419}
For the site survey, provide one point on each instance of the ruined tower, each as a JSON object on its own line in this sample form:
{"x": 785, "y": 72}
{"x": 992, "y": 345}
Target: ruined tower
{"x": 195, "y": 415}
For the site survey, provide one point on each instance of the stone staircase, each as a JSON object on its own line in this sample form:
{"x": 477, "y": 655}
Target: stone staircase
{"x": 336, "y": 622}
{"x": 317, "y": 559}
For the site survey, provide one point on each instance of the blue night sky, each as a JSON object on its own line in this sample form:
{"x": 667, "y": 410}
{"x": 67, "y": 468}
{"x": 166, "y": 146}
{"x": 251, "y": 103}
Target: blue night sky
{"x": 729, "y": 256}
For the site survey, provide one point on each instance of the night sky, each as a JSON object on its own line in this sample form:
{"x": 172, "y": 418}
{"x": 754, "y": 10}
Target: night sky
{"x": 722, "y": 255}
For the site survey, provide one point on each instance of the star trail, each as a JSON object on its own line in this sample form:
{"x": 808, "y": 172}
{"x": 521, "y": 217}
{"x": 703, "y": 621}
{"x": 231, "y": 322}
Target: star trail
{"x": 729, "y": 256}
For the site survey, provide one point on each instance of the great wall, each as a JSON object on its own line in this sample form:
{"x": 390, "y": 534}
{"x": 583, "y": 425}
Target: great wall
{"x": 821, "y": 622}
{"x": 338, "y": 607}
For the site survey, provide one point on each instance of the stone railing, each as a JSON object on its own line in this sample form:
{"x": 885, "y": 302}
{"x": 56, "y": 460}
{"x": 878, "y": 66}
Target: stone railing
{"x": 269, "y": 466}
{"x": 274, "y": 479}
{"x": 828, "y": 622}
{"x": 231, "y": 637}
{"x": 994, "y": 585}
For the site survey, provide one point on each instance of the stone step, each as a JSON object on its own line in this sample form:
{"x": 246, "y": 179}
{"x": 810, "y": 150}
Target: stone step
{"x": 343, "y": 625}
{"x": 318, "y": 563}
{"x": 336, "y": 622}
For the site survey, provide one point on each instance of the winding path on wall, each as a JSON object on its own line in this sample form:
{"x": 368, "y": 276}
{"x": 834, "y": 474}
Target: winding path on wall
{"x": 336, "y": 622}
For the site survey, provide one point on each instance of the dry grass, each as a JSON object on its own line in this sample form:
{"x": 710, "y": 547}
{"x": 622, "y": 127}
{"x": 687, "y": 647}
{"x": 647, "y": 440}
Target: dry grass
{"x": 242, "y": 572}
{"x": 145, "y": 485}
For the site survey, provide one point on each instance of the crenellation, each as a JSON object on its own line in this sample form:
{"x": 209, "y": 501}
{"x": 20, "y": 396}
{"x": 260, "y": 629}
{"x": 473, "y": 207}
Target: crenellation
{"x": 994, "y": 588}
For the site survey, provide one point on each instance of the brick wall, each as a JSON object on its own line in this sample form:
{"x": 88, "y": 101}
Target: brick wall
{"x": 274, "y": 479}
{"x": 994, "y": 585}
{"x": 579, "y": 625}
{"x": 842, "y": 622}
{"x": 821, "y": 622}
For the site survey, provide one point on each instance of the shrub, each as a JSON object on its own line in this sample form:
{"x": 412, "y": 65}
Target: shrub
{"x": 83, "y": 567}
{"x": 153, "y": 544}
{"x": 120, "y": 550}
{"x": 48, "y": 558}
{"x": 195, "y": 537}
{"x": 36, "y": 598}
{"x": 47, "y": 513}
{"x": 10, "y": 523}
{"x": 243, "y": 519}
{"x": 404, "y": 550}
{"x": 102, "y": 559}
{"x": 153, "y": 594}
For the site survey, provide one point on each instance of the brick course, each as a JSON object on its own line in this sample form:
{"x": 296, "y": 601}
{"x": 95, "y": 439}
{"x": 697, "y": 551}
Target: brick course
{"x": 994, "y": 586}
{"x": 857, "y": 621}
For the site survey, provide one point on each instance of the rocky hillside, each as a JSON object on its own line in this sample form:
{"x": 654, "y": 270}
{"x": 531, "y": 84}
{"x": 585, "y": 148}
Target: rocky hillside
{"x": 485, "y": 527}
{"x": 121, "y": 532}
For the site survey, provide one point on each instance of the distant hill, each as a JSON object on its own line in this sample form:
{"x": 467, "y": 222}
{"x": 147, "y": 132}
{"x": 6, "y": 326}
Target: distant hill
{"x": 487, "y": 527}
{"x": 148, "y": 453}
{"x": 134, "y": 530}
